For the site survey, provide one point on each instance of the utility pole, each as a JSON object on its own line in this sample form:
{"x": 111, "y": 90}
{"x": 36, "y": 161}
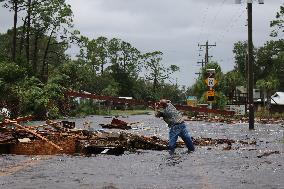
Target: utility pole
{"x": 250, "y": 62}
{"x": 202, "y": 63}
{"x": 250, "y": 67}
{"x": 207, "y": 51}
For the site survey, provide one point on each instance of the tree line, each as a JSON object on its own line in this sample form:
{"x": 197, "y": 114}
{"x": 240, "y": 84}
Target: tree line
{"x": 35, "y": 70}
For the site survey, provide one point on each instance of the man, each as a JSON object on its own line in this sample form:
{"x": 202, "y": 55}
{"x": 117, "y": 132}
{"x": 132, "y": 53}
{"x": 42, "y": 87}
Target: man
{"x": 176, "y": 124}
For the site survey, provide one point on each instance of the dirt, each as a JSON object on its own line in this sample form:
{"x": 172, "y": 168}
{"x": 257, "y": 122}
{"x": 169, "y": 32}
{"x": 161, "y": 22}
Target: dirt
{"x": 256, "y": 162}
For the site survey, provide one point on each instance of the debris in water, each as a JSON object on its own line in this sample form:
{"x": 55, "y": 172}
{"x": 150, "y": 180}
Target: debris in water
{"x": 268, "y": 154}
{"x": 116, "y": 124}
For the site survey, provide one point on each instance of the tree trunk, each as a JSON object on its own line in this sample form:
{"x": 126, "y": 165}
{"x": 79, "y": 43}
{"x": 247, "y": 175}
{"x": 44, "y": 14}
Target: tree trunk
{"x": 44, "y": 71}
{"x": 155, "y": 84}
{"x": 28, "y": 30}
{"x": 35, "y": 52}
{"x": 268, "y": 103}
{"x": 102, "y": 65}
{"x": 23, "y": 37}
{"x": 16, "y": 7}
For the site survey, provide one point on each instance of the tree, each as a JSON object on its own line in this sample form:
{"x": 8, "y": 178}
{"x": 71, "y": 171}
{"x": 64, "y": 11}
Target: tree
{"x": 268, "y": 85}
{"x": 280, "y": 70}
{"x": 199, "y": 89}
{"x": 278, "y": 23}
{"x": 58, "y": 17}
{"x": 266, "y": 59}
{"x": 94, "y": 52}
{"x": 129, "y": 59}
{"x": 102, "y": 51}
{"x": 15, "y": 6}
{"x": 4, "y": 47}
{"x": 240, "y": 52}
{"x": 75, "y": 75}
{"x": 10, "y": 76}
{"x": 230, "y": 81}
{"x": 156, "y": 71}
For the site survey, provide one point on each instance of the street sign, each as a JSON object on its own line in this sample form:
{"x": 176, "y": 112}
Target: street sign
{"x": 192, "y": 101}
{"x": 210, "y": 95}
{"x": 211, "y": 82}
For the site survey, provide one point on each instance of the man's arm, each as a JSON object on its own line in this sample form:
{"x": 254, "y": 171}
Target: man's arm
{"x": 159, "y": 114}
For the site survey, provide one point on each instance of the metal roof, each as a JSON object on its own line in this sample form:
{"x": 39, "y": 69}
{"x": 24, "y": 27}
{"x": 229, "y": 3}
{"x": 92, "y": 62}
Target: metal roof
{"x": 278, "y": 98}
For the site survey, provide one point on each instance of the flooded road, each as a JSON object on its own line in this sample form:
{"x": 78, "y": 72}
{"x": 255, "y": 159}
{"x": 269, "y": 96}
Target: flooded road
{"x": 259, "y": 165}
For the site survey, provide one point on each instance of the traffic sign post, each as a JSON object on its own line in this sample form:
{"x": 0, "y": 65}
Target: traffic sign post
{"x": 210, "y": 82}
{"x": 210, "y": 95}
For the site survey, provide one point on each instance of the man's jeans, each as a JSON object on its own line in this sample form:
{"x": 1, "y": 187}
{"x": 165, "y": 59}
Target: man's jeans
{"x": 179, "y": 130}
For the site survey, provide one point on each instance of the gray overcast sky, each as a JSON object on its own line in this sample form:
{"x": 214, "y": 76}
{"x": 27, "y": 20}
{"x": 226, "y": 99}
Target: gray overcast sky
{"x": 174, "y": 27}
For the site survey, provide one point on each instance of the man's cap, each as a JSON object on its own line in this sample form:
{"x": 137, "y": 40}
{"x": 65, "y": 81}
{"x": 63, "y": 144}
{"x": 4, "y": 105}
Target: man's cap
{"x": 164, "y": 101}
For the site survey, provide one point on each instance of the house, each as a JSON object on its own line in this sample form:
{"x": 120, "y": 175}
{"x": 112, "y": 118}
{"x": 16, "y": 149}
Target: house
{"x": 240, "y": 96}
{"x": 277, "y": 102}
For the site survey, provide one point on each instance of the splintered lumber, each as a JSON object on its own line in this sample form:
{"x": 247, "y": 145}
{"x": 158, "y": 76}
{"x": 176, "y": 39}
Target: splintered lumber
{"x": 55, "y": 125}
{"x": 6, "y": 137}
{"x": 34, "y": 133}
{"x": 19, "y": 119}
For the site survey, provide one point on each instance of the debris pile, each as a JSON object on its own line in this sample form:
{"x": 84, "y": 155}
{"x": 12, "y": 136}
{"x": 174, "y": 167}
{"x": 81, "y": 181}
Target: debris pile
{"x": 233, "y": 120}
{"x": 63, "y": 137}
{"x": 211, "y": 141}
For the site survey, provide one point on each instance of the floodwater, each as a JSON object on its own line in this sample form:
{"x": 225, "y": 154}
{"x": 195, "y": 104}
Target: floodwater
{"x": 244, "y": 166}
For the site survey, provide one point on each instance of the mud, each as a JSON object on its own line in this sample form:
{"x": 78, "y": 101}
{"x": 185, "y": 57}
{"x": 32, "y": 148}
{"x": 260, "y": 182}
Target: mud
{"x": 256, "y": 162}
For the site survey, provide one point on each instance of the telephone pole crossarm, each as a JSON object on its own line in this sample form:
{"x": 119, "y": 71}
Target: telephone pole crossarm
{"x": 207, "y": 51}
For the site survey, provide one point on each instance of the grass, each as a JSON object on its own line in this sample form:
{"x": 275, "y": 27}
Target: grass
{"x": 268, "y": 115}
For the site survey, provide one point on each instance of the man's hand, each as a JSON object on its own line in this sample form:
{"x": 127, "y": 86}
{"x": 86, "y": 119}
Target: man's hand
{"x": 158, "y": 114}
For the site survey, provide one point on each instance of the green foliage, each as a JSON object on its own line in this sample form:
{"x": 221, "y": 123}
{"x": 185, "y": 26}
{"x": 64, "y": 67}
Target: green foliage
{"x": 75, "y": 75}
{"x": 230, "y": 81}
{"x": 111, "y": 90}
{"x": 4, "y": 47}
{"x": 278, "y": 23}
{"x": 41, "y": 70}
{"x": 11, "y": 72}
{"x": 240, "y": 52}
{"x": 155, "y": 70}
{"x": 89, "y": 107}
{"x": 199, "y": 89}
{"x": 267, "y": 84}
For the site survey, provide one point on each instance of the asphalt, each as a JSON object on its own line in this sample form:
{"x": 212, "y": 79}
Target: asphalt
{"x": 258, "y": 163}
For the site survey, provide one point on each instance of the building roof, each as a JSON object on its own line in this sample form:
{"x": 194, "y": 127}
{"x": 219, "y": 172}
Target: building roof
{"x": 278, "y": 98}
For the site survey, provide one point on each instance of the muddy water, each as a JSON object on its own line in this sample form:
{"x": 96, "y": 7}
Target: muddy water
{"x": 208, "y": 167}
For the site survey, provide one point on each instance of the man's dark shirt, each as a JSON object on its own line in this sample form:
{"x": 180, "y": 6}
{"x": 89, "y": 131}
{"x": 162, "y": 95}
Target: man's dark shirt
{"x": 170, "y": 115}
